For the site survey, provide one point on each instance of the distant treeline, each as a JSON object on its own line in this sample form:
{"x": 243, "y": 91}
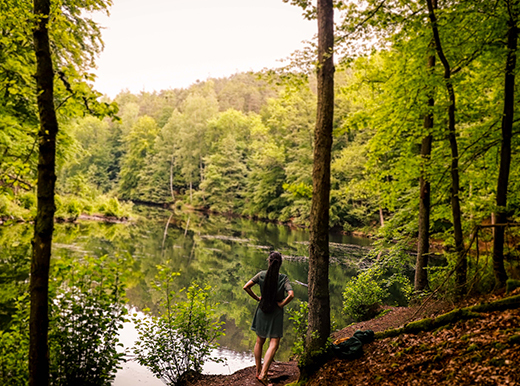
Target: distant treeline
{"x": 243, "y": 145}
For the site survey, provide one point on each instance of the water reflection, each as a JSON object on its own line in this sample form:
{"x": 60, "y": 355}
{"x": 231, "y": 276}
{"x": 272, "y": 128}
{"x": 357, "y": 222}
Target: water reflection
{"x": 220, "y": 251}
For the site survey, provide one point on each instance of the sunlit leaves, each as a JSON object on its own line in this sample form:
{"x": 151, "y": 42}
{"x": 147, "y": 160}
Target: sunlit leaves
{"x": 181, "y": 338}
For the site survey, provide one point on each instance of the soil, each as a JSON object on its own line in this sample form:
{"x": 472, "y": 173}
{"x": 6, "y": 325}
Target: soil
{"x": 478, "y": 351}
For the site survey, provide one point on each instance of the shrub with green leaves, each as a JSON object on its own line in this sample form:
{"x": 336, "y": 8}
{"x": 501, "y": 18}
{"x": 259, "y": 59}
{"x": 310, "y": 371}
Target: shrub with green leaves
{"x": 14, "y": 347}
{"x": 27, "y": 200}
{"x": 87, "y": 312}
{"x": 364, "y": 295}
{"x": 112, "y": 207}
{"x": 87, "y": 309}
{"x": 184, "y": 334}
{"x": 4, "y": 205}
{"x": 298, "y": 315}
{"x": 10, "y": 210}
{"x": 385, "y": 278}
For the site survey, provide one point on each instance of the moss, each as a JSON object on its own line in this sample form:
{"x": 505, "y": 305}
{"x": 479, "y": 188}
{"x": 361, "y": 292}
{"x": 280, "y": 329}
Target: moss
{"x": 514, "y": 339}
{"x": 499, "y": 305}
{"x": 418, "y": 326}
{"x": 472, "y": 347}
{"x": 511, "y": 285}
{"x": 443, "y": 321}
{"x": 389, "y": 333}
{"x": 383, "y": 313}
{"x": 439, "y": 357}
{"x": 497, "y": 362}
{"x": 476, "y": 358}
{"x": 500, "y": 346}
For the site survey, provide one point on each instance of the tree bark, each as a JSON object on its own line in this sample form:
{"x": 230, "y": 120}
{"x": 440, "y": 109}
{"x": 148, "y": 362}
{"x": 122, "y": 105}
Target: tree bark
{"x": 461, "y": 267}
{"x": 44, "y": 222}
{"x": 171, "y": 179}
{"x": 423, "y": 239}
{"x": 505, "y": 151}
{"x": 318, "y": 330}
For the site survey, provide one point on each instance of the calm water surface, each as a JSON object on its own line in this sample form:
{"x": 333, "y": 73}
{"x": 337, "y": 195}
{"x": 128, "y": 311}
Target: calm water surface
{"x": 220, "y": 251}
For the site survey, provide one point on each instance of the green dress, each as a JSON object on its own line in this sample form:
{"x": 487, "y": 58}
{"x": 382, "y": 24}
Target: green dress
{"x": 270, "y": 325}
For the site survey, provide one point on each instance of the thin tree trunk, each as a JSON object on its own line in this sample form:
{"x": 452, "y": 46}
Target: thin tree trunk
{"x": 381, "y": 217}
{"x": 319, "y": 304}
{"x": 423, "y": 239}
{"x": 505, "y": 151}
{"x": 493, "y": 222}
{"x": 44, "y": 222}
{"x": 171, "y": 180}
{"x": 461, "y": 270}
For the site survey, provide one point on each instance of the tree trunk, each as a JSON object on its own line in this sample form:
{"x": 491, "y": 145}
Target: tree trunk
{"x": 461, "y": 268}
{"x": 44, "y": 222}
{"x": 319, "y": 304}
{"x": 423, "y": 239}
{"x": 505, "y": 151}
{"x": 171, "y": 179}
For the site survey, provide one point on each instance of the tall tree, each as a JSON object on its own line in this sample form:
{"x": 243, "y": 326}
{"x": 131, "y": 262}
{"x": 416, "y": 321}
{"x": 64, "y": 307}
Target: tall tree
{"x": 139, "y": 144}
{"x": 319, "y": 303}
{"x": 423, "y": 239}
{"x": 44, "y": 222}
{"x": 461, "y": 264}
{"x": 505, "y": 151}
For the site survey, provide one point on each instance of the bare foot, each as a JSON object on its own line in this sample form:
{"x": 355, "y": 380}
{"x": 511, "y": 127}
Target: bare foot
{"x": 264, "y": 380}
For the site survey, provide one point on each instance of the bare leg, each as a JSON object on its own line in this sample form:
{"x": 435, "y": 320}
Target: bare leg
{"x": 269, "y": 356}
{"x": 259, "y": 345}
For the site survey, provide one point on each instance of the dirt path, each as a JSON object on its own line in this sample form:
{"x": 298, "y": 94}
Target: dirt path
{"x": 284, "y": 373}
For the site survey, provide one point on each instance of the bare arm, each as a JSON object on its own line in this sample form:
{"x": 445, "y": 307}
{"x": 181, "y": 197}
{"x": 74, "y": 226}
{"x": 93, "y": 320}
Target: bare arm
{"x": 283, "y": 303}
{"x": 248, "y": 289}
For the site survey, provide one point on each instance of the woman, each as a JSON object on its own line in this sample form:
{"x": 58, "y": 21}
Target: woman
{"x": 268, "y": 319}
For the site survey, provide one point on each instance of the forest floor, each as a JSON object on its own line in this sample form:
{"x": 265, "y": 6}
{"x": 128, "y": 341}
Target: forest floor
{"x": 479, "y": 351}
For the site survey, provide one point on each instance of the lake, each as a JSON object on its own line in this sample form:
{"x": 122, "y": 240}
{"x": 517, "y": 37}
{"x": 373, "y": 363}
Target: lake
{"x": 224, "y": 252}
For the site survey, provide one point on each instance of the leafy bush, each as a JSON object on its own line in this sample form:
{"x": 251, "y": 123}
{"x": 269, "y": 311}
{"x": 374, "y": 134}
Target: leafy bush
{"x": 181, "y": 338}
{"x": 68, "y": 207}
{"x": 9, "y": 209}
{"x": 363, "y": 295}
{"x": 4, "y": 205}
{"x": 14, "y": 347}
{"x": 27, "y": 200}
{"x": 112, "y": 207}
{"x": 298, "y": 315}
{"x": 86, "y": 311}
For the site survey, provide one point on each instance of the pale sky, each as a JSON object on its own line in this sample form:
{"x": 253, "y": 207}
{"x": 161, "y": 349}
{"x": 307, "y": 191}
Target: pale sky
{"x": 161, "y": 44}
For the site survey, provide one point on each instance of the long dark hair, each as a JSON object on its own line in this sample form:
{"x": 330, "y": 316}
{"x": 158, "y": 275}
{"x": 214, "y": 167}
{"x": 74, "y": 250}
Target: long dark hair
{"x": 270, "y": 288}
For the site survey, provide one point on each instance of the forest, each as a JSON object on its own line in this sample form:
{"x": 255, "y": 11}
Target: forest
{"x": 243, "y": 144}
{"x": 425, "y": 151}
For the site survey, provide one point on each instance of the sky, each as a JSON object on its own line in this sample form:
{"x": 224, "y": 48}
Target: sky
{"x": 154, "y": 45}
